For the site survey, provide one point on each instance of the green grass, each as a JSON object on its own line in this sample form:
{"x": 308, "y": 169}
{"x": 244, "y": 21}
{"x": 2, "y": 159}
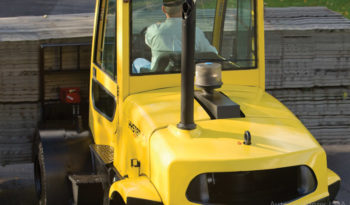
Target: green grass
{"x": 340, "y": 6}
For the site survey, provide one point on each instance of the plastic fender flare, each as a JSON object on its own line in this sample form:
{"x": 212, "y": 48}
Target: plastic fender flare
{"x": 333, "y": 184}
{"x": 139, "y": 190}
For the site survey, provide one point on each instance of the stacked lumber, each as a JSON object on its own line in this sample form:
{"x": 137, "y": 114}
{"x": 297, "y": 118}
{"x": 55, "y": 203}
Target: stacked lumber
{"x": 17, "y": 124}
{"x": 48, "y": 28}
{"x": 19, "y": 76}
{"x": 41, "y": 7}
{"x": 18, "y": 120}
{"x": 308, "y": 68}
{"x": 20, "y": 40}
{"x": 325, "y": 111}
{"x": 307, "y": 58}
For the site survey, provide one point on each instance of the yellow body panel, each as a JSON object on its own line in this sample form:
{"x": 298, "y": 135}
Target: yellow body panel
{"x": 203, "y": 154}
{"x": 166, "y": 152}
{"x": 136, "y": 188}
{"x": 148, "y": 109}
{"x": 332, "y": 177}
{"x": 99, "y": 125}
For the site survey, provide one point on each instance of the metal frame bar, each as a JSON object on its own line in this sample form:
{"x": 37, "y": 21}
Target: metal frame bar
{"x": 42, "y": 71}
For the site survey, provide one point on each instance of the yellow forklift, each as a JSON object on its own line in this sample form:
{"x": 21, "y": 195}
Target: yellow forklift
{"x": 178, "y": 114}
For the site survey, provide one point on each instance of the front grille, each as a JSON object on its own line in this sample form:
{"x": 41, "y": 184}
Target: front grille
{"x": 252, "y": 187}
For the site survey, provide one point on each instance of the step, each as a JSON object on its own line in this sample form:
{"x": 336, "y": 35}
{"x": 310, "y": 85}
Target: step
{"x": 104, "y": 153}
{"x": 87, "y": 189}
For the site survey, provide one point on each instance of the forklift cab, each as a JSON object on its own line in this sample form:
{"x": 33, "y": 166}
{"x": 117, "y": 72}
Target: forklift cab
{"x": 135, "y": 105}
{"x": 123, "y": 63}
{"x": 159, "y": 41}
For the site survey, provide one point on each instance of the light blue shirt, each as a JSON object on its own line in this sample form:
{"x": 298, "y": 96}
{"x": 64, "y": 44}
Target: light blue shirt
{"x": 167, "y": 36}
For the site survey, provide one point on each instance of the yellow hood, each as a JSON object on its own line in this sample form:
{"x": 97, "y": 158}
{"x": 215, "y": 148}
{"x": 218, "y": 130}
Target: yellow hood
{"x": 157, "y": 109}
{"x": 278, "y": 138}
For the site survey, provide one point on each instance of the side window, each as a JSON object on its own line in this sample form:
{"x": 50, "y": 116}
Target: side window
{"x": 103, "y": 101}
{"x": 245, "y": 48}
{"x": 105, "y": 48}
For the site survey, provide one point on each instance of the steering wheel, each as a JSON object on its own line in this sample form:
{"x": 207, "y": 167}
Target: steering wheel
{"x": 171, "y": 61}
{"x": 167, "y": 62}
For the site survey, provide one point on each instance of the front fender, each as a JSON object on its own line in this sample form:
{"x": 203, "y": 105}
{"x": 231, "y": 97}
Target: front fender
{"x": 333, "y": 184}
{"x": 135, "y": 191}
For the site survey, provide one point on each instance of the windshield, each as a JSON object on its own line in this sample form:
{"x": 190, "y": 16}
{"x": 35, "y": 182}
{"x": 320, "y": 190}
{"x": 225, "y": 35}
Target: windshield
{"x": 225, "y": 33}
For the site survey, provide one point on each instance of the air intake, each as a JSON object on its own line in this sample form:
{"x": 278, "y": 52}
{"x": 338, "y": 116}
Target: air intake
{"x": 252, "y": 187}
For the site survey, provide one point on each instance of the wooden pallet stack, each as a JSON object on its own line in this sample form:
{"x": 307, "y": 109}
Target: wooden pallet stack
{"x": 308, "y": 68}
{"x": 20, "y": 40}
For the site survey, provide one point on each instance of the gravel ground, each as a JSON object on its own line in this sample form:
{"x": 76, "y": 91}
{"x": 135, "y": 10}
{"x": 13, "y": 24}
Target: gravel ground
{"x": 17, "y": 181}
{"x": 17, "y": 185}
{"x": 339, "y": 161}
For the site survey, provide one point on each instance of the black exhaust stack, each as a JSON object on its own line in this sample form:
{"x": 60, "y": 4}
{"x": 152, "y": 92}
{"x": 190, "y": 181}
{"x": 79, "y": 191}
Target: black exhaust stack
{"x": 187, "y": 65}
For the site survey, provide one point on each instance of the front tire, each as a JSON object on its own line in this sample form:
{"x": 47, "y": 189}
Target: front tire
{"x": 57, "y": 154}
{"x": 51, "y": 183}
{"x": 39, "y": 175}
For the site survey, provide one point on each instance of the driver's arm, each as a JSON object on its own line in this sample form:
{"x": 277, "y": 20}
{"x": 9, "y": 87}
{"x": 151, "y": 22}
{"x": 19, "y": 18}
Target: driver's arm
{"x": 150, "y": 36}
{"x": 202, "y": 43}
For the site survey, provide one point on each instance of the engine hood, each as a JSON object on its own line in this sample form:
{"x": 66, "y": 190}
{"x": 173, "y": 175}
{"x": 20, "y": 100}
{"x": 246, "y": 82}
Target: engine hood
{"x": 279, "y": 139}
{"x": 216, "y": 146}
{"x": 157, "y": 109}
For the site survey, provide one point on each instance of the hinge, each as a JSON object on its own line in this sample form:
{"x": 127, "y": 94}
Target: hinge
{"x": 135, "y": 163}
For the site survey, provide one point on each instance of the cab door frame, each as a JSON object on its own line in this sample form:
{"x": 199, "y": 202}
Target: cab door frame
{"x": 218, "y": 29}
{"x": 103, "y": 108}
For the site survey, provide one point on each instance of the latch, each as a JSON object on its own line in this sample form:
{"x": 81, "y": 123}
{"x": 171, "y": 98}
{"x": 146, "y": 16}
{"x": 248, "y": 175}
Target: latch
{"x": 247, "y": 138}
